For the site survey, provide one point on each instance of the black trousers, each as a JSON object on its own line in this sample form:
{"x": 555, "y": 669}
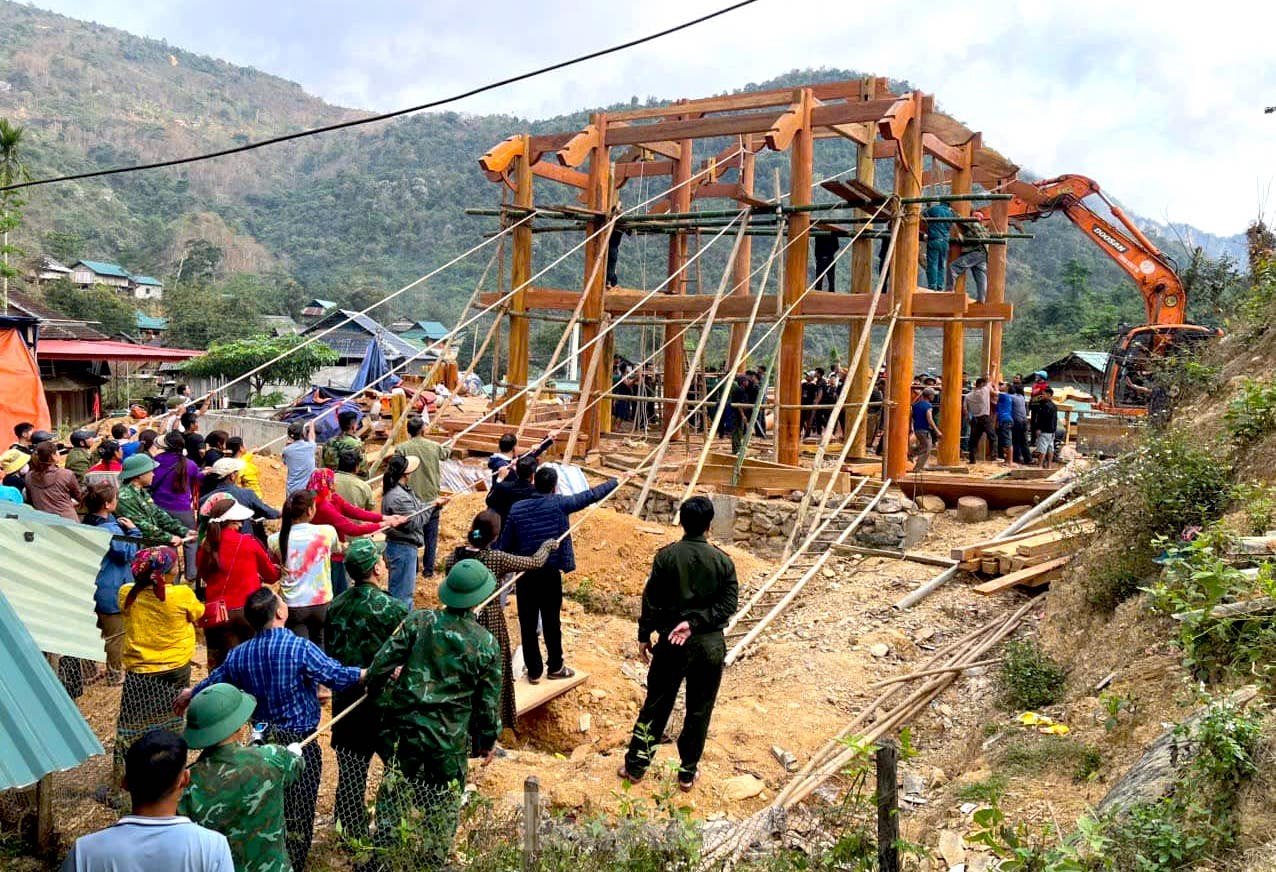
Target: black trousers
{"x": 823, "y": 262}
{"x": 540, "y": 595}
{"x": 981, "y": 426}
{"x": 300, "y": 797}
{"x": 1019, "y": 439}
{"x": 699, "y": 663}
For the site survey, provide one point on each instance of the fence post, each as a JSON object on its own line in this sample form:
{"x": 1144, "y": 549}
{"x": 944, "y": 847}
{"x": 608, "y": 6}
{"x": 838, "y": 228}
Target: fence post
{"x": 44, "y": 832}
{"x": 531, "y": 822}
{"x": 887, "y": 757}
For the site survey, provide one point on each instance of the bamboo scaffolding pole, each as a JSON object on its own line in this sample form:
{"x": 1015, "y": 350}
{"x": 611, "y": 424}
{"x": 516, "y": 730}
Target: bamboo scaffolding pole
{"x": 926, "y": 673}
{"x": 670, "y": 432}
{"x": 739, "y": 647}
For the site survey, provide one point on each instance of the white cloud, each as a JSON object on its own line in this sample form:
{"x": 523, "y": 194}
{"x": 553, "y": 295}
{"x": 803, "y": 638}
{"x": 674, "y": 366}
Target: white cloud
{"x": 1161, "y": 105}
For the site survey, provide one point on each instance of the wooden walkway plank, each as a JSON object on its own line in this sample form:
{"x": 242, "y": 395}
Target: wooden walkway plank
{"x": 528, "y": 697}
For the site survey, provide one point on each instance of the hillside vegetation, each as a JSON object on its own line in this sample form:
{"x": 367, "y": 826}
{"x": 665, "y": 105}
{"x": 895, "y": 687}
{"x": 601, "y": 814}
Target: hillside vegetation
{"x": 352, "y": 215}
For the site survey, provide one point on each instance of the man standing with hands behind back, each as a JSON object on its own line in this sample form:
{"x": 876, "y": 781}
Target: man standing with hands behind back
{"x": 690, "y": 596}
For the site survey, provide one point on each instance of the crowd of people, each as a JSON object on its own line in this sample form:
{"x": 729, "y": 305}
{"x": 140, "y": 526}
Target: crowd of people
{"x": 320, "y": 610}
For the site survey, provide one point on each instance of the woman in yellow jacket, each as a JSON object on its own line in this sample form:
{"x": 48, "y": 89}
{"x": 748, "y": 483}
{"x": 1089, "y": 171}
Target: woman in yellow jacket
{"x": 248, "y": 476}
{"x": 159, "y": 641}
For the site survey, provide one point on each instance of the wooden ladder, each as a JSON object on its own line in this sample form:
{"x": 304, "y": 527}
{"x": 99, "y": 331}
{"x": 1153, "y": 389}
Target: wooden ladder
{"x": 781, "y": 588}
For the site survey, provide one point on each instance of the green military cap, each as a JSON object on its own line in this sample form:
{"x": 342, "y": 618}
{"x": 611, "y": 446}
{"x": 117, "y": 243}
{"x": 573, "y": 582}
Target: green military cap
{"x": 467, "y": 585}
{"x": 216, "y": 713}
{"x": 362, "y": 554}
{"x": 139, "y": 464}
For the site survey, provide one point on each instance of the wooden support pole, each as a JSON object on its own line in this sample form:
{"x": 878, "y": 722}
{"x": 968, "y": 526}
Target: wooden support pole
{"x": 744, "y": 258}
{"x": 679, "y": 201}
{"x": 520, "y": 274}
{"x": 899, "y": 371}
{"x": 531, "y": 822}
{"x": 955, "y": 335}
{"x": 788, "y": 435}
{"x": 598, "y": 199}
{"x": 997, "y": 255}
{"x": 887, "y": 759}
{"x": 861, "y": 280}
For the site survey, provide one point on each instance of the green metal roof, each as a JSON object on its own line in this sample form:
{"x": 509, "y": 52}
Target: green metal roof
{"x": 48, "y": 574}
{"x": 1096, "y": 359}
{"x": 430, "y": 330}
{"x": 146, "y": 280}
{"x": 41, "y": 730}
{"x": 105, "y": 269}
{"x": 147, "y": 322}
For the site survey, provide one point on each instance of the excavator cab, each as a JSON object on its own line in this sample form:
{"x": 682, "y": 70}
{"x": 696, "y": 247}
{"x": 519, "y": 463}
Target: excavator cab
{"x": 1129, "y": 381}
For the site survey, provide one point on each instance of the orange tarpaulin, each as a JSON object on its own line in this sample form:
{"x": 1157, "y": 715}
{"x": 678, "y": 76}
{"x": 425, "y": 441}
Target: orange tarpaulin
{"x": 21, "y": 392}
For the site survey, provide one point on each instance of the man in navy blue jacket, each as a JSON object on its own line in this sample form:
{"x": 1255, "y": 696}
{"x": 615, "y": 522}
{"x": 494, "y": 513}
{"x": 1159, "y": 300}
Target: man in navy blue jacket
{"x": 540, "y": 591}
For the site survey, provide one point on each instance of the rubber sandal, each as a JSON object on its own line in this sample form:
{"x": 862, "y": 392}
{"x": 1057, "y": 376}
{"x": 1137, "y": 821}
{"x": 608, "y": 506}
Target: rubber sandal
{"x": 624, "y": 774}
{"x": 535, "y": 680}
{"x": 686, "y": 786}
{"x": 565, "y": 672}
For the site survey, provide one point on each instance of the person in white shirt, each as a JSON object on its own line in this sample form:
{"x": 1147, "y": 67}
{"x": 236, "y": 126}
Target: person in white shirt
{"x": 154, "y": 836}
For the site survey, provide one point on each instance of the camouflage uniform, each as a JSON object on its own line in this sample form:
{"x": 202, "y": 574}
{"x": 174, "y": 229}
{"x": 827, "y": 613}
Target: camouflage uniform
{"x": 345, "y": 442}
{"x": 450, "y": 687}
{"x": 135, "y": 503}
{"x": 239, "y": 792}
{"x": 358, "y": 623}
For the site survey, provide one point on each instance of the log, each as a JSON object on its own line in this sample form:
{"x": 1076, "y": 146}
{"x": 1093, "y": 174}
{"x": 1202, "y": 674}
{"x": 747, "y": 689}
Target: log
{"x": 972, "y": 510}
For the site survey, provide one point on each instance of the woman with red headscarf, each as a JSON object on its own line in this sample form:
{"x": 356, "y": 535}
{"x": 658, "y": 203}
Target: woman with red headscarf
{"x": 159, "y": 641}
{"x": 346, "y": 519}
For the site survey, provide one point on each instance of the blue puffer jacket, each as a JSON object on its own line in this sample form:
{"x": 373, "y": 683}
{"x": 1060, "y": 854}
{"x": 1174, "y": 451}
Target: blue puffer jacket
{"x": 115, "y": 570}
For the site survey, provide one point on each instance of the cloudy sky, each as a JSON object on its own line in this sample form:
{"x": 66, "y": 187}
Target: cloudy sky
{"x": 1163, "y": 108}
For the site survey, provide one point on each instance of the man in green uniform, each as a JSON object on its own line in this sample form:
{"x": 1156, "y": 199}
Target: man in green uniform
{"x": 449, "y": 688}
{"x": 79, "y": 458}
{"x": 691, "y": 594}
{"x": 345, "y": 441}
{"x": 358, "y": 623}
{"x": 424, "y": 482}
{"x": 135, "y": 503}
{"x": 238, "y": 790}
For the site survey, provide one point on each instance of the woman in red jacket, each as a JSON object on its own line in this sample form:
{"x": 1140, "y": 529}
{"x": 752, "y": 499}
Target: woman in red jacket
{"x": 349, "y": 521}
{"x": 233, "y": 566}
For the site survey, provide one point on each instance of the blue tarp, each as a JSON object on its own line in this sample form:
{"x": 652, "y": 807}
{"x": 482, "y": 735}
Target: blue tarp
{"x": 324, "y": 403}
{"x": 372, "y": 372}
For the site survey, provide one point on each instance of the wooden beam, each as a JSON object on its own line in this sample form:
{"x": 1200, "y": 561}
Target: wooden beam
{"x": 784, "y": 129}
{"x": 520, "y": 274}
{"x": 1032, "y": 576}
{"x": 954, "y": 348}
{"x": 953, "y": 155}
{"x": 497, "y": 159}
{"x": 577, "y": 149}
{"x": 997, "y": 256}
{"x": 598, "y": 196}
{"x": 556, "y": 173}
{"x": 788, "y": 436}
{"x": 734, "y": 125}
{"x": 728, "y": 190}
{"x": 646, "y": 169}
{"x": 850, "y": 89}
{"x": 744, "y": 257}
{"x": 1000, "y": 494}
{"x": 862, "y": 260}
{"x": 673, "y": 360}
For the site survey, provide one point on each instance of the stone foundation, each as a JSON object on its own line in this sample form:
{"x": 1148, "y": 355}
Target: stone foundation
{"x": 763, "y": 526}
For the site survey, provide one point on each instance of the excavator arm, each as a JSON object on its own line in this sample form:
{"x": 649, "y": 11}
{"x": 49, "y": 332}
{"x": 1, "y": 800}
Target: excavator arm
{"x": 1151, "y": 270}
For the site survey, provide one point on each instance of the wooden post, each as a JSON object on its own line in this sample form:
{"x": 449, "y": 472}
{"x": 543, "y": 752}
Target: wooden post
{"x": 788, "y": 435}
{"x": 520, "y": 273}
{"x": 899, "y": 371}
{"x": 45, "y": 837}
{"x": 996, "y": 288}
{"x": 861, "y": 283}
{"x": 598, "y": 197}
{"x": 531, "y": 822}
{"x": 887, "y": 758}
{"x": 744, "y": 259}
{"x": 955, "y": 336}
{"x": 679, "y": 201}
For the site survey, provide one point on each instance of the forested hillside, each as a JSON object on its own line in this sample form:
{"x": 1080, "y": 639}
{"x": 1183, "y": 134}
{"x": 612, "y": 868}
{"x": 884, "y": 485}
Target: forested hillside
{"x": 354, "y": 214}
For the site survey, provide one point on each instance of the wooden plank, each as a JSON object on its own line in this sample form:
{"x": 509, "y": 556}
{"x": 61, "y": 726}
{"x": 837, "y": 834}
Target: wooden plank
{"x": 762, "y": 478}
{"x": 556, "y": 173}
{"x": 846, "y": 89}
{"x": 751, "y": 122}
{"x": 645, "y": 169}
{"x": 728, "y": 190}
{"x": 528, "y": 697}
{"x": 999, "y": 494}
{"x": 1033, "y": 576}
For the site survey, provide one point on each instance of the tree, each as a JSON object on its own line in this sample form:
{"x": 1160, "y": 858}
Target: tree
{"x": 200, "y": 261}
{"x": 201, "y": 314}
{"x": 235, "y": 358}
{"x": 110, "y": 313}
{"x": 12, "y": 170}
{"x": 65, "y": 247}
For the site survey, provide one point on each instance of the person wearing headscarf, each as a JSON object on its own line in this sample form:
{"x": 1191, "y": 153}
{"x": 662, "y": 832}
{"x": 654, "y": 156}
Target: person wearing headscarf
{"x": 175, "y": 487}
{"x": 349, "y": 521}
{"x": 484, "y": 531}
{"x": 159, "y": 641}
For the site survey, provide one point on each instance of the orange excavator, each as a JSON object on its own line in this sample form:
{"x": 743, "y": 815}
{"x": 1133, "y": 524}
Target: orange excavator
{"x": 1126, "y": 388}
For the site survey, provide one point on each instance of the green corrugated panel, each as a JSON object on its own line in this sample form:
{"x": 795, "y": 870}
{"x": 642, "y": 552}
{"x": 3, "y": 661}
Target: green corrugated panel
{"x": 41, "y": 730}
{"x": 48, "y": 567}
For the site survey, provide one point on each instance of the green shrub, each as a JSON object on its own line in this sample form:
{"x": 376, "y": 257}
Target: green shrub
{"x": 1251, "y": 414}
{"x": 1258, "y": 501}
{"x": 1030, "y": 678}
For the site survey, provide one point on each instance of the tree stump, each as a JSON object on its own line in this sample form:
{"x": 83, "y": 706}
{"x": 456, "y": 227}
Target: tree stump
{"x": 930, "y": 503}
{"x": 972, "y": 510}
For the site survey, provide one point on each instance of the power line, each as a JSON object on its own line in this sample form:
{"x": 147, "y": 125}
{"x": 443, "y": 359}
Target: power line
{"x": 387, "y": 115}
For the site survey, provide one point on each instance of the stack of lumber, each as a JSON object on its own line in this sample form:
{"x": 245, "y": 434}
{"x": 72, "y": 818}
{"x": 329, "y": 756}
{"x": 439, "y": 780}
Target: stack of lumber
{"x": 1030, "y": 559}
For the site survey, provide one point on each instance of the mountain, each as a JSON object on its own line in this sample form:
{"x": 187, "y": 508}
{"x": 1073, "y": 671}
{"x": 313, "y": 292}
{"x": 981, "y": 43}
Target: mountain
{"x": 354, "y": 214}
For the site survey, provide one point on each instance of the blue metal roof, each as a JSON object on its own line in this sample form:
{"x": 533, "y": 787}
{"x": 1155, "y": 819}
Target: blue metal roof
{"x": 41, "y": 730}
{"x": 48, "y": 574}
{"x": 146, "y": 280}
{"x": 431, "y": 330}
{"x": 105, "y": 269}
{"x": 1096, "y": 359}
{"x": 148, "y": 322}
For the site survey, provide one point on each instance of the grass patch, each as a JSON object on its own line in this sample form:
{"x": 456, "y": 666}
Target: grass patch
{"x": 1030, "y": 678}
{"x": 603, "y": 602}
{"x": 989, "y": 791}
{"x": 1031, "y": 754}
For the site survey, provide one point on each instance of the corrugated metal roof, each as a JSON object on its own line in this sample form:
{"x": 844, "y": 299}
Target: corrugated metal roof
{"x": 394, "y": 347}
{"x": 53, "y": 325}
{"x": 41, "y": 730}
{"x": 150, "y": 322}
{"x": 48, "y": 574}
{"x": 147, "y": 280}
{"x": 432, "y": 330}
{"x": 105, "y": 269}
{"x": 1096, "y": 359}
